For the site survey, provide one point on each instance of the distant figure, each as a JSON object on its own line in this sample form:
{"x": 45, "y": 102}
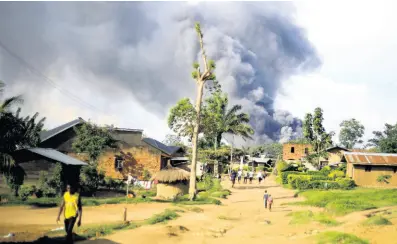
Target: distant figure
{"x": 71, "y": 205}
{"x": 233, "y": 177}
{"x": 259, "y": 176}
{"x": 270, "y": 202}
{"x": 251, "y": 176}
{"x": 265, "y": 197}
{"x": 245, "y": 177}
{"x": 239, "y": 174}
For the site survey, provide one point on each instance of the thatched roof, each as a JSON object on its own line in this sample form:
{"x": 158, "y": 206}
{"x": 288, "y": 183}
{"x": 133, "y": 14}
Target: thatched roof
{"x": 171, "y": 174}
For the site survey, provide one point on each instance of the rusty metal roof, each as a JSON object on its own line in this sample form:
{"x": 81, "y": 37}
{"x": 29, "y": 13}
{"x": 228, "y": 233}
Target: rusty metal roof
{"x": 370, "y": 158}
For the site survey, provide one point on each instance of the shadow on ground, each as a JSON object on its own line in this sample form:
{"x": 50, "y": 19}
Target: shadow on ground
{"x": 61, "y": 240}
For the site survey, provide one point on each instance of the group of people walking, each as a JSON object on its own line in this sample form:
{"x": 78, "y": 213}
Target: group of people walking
{"x": 246, "y": 176}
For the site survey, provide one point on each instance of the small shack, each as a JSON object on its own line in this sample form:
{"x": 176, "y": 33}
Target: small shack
{"x": 172, "y": 181}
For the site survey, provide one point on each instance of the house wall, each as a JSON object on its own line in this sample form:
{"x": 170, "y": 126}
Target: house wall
{"x": 349, "y": 170}
{"x": 369, "y": 179}
{"x": 335, "y": 156}
{"x": 136, "y": 160}
{"x": 299, "y": 151}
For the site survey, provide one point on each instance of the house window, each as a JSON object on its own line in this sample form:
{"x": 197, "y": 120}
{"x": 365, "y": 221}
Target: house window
{"x": 292, "y": 149}
{"x": 395, "y": 169}
{"x": 306, "y": 150}
{"x": 118, "y": 163}
{"x": 368, "y": 168}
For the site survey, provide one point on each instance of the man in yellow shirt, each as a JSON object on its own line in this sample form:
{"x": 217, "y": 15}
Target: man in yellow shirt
{"x": 71, "y": 205}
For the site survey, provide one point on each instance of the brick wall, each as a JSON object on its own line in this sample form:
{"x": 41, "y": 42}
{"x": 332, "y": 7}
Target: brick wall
{"x": 292, "y": 151}
{"x": 135, "y": 160}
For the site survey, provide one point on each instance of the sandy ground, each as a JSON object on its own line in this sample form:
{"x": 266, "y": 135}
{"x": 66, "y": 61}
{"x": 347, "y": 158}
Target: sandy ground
{"x": 250, "y": 221}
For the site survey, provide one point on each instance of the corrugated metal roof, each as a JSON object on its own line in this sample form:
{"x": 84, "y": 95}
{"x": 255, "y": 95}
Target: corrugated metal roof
{"x": 169, "y": 150}
{"x": 56, "y": 156}
{"x": 45, "y": 135}
{"x": 371, "y": 158}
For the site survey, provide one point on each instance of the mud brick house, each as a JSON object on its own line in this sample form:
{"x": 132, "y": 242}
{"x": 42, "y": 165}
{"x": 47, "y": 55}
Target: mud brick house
{"x": 133, "y": 154}
{"x": 365, "y": 168}
{"x": 295, "y": 151}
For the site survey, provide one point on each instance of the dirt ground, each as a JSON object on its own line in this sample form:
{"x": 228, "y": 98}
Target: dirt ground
{"x": 246, "y": 220}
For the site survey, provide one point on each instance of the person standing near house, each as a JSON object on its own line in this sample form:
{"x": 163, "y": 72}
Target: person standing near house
{"x": 270, "y": 202}
{"x": 73, "y": 210}
{"x": 239, "y": 174}
{"x": 265, "y": 198}
{"x": 251, "y": 176}
{"x": 259, "y": 176}
{"x": 233, "y": 177}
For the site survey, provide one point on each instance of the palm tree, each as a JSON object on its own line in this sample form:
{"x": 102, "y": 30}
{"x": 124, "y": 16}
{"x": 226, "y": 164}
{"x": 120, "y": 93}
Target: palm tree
{"x": 220, "y": 120}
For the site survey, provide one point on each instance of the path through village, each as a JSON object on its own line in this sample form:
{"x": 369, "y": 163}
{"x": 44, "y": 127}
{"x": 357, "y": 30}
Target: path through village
{"x": 241, "y": 218}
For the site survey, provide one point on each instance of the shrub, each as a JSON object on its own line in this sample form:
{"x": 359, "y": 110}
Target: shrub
{"x": 298, "y": 181}
{"x": 284, "y": 176}
{"x": 326, "y": 170}
{"x": 90, "y": 179}
{"x": 336, "y": 174}
{"x": 281, "y": 166}
{"x": 377, "y": 220}
{"x": 26, "y": 191}
{"x": 14, "y": 178}
{"x": 146, "y": 175}
{"x": 245, "y": 168}
{"x": 51, "y": 185}
{"x": 208, "y": 182}
{"x": 162, "y": 217}
{"x": 345, "y": 183}
{"x": 331, "y": 237}
{"x": 323, "y": 184}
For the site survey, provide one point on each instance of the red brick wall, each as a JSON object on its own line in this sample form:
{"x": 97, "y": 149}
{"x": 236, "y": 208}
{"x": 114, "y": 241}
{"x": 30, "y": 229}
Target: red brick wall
{"x": 299, "y": 151}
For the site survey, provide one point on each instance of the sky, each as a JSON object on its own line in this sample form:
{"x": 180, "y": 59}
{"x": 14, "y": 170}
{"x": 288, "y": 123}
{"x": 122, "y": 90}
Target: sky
{"x": 352, "y": 78}
{"x": 357, "y": 78}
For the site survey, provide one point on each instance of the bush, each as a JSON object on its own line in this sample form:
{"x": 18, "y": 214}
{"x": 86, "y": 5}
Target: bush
{"x": 323, "y": 185}
{"x": 281, "y": 166}
{"x": 377, "y": 220}
{"x": 245, "y": 168}
{"x": 90, "y": 179}
{"x": 331, "y": 237}
{"x": 326, "y": 170}
{"x": 146, "y": 175}
{"x": 14, "y": 178}
{"x": 208, "y": 182}
{"x": 298, "y": 181}
{"x": 283, "y": 176}
{"x": 345, "y": 183}
{"x": 50, "y": 186}
{"x": 26, "y": 191}
{"x": 336, "y": 174}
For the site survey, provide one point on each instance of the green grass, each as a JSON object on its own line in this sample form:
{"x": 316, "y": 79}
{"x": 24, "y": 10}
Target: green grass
{"x": 164, "y": 217}
{"x": 306, "y": 217}
{"x": 340, "y": 202}
{"x": 333, "y": 237}
{"x": 376, "y": 220}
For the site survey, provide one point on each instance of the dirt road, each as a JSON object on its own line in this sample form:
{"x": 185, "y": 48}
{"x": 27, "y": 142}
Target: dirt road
{"x": 241, "y": 218}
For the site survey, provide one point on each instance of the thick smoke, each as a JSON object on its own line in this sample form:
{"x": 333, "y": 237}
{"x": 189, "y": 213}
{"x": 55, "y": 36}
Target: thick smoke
{"x": 147, "y": 49}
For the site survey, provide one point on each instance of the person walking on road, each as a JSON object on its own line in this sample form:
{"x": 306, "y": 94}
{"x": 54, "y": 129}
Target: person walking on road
{"x": 239, "y": 174}
{"x": 245, "y": 177}
{"x": 265, "y": 198}
{"x": 72, "y": 208}
{"x": 233, "y": 177}
{"x": 251, "y": 176}
{"x": 270, "y": 202}
{"x": 259, "y": 176}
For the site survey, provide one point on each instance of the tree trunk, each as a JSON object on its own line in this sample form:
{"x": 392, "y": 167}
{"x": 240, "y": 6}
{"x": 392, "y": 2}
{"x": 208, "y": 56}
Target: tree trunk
{"x": 192, "y": 185}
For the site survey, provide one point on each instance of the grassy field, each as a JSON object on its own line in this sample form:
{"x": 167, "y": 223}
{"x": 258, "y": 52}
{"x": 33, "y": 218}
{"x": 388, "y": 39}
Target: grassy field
{"x": 341, "y": 202}
{"x": 333, "y": 237}
{"x": 305, "y": 217}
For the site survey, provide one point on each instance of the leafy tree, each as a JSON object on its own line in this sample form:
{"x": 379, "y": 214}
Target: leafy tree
{"x": 51, "y": 185}
{"x": 218, "y": 119}
{"x": 93, "y": 139}
{"x": 182, "y": 118}
{"x": 14, "y": 177}
{"x": 201, "y": 78}
{"x": 275, "y": 149}
{"x": 173, "y": 140}
{"x": 308, "y": 127}
{"x": 320, "y": 138}
{"x": 386, "y": 141}
{"x": 351, "y": 133}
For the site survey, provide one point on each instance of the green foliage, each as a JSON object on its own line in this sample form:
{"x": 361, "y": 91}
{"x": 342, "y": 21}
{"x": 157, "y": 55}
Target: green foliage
{"x": 326, "y": 170}
{"x": 377, "y": 220}
{"x": 182, "y": 117}
{"x": 386, "y": 141}
{"x": 111, "y": 183}
{"x": 308, "y": 127}
{"x": 383, "y": 179}
{"x": 162, "y": 217}
{"x": 173, "y": 140}
{"x": 305, "y": 217}
{"x": 336, "y": 174}
{"x": 208, "y": 182}
{"x": 146, "y": 175}
{"x": 27, "y": 191}
{"x": 342, "y": 202}
{"x": 281, "y": 166}
{"x": 90, "y": 179}
{"x": 92, "y": 139}
{"x": 221, "y": 154}
{"x": 14, "y": 177}
{"x": 351, "y": 133}
{"x": 345, "y": 183}
{"x": 51, "y": 185}
{"x": 333, "y": 237}
{"x": 274, "y": 149}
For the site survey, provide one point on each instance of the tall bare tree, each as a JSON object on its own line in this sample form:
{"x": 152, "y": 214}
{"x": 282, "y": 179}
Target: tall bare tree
{"x": 201, "y": 77}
